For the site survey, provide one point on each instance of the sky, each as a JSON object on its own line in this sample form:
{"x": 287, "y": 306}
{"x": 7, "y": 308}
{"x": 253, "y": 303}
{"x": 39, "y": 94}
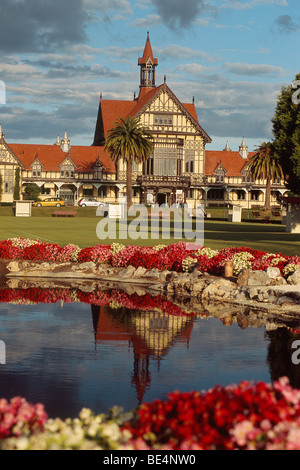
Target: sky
{"x": 232, "y": 56}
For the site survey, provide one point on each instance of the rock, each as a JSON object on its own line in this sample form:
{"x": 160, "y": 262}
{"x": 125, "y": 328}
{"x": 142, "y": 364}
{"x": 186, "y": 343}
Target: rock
{"x": 285, "y": 301}
{"x": 127, "y": 272}
{"x": 139, "y": 272}
{"x": 152, "y": 274}
{"x": 243, "y": 278}
{"x": 273, "y": 272}
{"x": 258, "y": 278}
{"x": 242, "y": 321}
{"x": 217, "y": 289}
{"x": 13, "y": 266}
{"x": 165, "y": 276}
{"x": 294, "y": 278}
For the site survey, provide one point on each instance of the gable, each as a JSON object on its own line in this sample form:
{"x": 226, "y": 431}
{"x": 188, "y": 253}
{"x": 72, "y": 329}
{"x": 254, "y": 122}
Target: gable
{"x": 161, "y": 110}
{"x": 220, "y": 168}
{"x": 7, "y": 155}
{"x": 67, "y": 162}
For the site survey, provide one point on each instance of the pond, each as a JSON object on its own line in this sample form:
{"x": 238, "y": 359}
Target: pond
{"x": 70, "y": 348}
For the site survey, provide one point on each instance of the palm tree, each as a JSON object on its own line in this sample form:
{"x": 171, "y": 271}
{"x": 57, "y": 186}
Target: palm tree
{"x": 127, "y": 139}
{"x": 263, "y": 165}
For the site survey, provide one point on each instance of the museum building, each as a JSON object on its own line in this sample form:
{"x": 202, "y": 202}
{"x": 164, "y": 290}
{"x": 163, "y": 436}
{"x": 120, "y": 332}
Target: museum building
{"x": 179, "y": 169}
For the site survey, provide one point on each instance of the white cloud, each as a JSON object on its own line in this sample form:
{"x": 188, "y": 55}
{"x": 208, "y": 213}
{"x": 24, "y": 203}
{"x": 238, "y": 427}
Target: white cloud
{"x": 236, "y": 5}
{"x": 257, "y": 70}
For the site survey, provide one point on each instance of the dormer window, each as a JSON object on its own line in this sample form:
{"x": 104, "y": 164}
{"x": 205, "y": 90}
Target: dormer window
{"x": 220, "y": 174}
{"x": 98, "y": 170}
{"x": 247, "y": 178}
{"x": 67, "y": 169}
{"x": 36, "y": 169}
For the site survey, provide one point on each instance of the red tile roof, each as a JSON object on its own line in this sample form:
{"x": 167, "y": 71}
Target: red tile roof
{"x": 112, "y": 110}
{"x": 51, "y": 156}
{"x": 231, "y": 161}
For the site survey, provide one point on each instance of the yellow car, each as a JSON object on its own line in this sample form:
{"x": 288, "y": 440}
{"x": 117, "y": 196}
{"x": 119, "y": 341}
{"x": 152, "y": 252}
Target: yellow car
{"x": 50, "y": 201}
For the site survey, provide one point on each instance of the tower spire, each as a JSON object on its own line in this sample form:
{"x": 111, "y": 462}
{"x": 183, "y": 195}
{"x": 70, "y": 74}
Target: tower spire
{"x": 1, "y": 133}
{"x": 243, "y": 149}
{"x": 147, "y": 64}
{"x": 65, "y": 143}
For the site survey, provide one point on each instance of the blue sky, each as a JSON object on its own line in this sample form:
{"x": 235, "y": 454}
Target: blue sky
{"x": 232, "y": 56}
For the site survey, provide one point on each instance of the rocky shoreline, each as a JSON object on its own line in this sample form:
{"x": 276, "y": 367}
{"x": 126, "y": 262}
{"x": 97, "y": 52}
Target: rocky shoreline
{"x": 264, "y": 290}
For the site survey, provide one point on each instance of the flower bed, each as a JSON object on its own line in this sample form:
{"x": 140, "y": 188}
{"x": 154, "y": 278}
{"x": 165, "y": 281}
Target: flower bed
{"x": 175, "y": 257}
{"x": 238, "y": 417}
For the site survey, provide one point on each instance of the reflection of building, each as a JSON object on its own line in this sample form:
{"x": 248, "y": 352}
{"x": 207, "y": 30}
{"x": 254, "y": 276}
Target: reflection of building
{"x": 151, "y": 335}
{"x": 180, "y": 168}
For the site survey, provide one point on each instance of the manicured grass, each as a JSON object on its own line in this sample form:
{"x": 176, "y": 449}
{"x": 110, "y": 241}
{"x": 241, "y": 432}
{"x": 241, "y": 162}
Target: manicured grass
{"x": 82, "y": 231}
{"x": 268, "y": 237}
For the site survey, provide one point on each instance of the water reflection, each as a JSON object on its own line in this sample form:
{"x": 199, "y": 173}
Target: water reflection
{"x": 150, "y": 334}
{"x": 98, "y": 345}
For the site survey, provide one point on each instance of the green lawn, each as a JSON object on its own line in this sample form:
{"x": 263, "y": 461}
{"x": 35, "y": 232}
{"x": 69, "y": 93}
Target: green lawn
{"x": 82, "y": 231}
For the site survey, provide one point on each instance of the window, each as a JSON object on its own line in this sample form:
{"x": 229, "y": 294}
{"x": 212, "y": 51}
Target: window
{"x": 67, "y": 170}
{"x": 148, "y": 166}
{"x": 189, "y": 160}
{"x": 165, "y": 161}
{"x": 8, "y": 181}
{"x": 241, "y": 195}
{"x": 36, "y": 169}
{"x": 98, "y": 170}
{"x": 247, "y": 177}
{"x": 255, "y": 195}
{"x": 220, "y": 175}
{"x": 163, "y": 120}
{"x": 215, "y": 194}
{"x": 191, "y": 194}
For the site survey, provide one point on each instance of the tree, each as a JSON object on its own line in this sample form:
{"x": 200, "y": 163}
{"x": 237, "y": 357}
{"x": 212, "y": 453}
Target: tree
{"x": 127, "y": 139}
{"x": 17, "y": 185}
{"x": 32, "y": 192}
{"x": 286, "y": 131}
{"x": 264, "y": 165}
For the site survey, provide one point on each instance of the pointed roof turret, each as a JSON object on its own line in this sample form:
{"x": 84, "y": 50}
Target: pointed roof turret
{"x": 147, "y": 64}
{"x": 227, "y": 148}
{"x": 65, "y": 143}
{"x": 148, "y": 54}
{"x": 1, "y": 133}
{"x": 243, "y": 149}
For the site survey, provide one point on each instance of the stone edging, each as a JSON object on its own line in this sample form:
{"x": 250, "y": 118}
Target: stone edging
{"x": 265, "y": 289}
